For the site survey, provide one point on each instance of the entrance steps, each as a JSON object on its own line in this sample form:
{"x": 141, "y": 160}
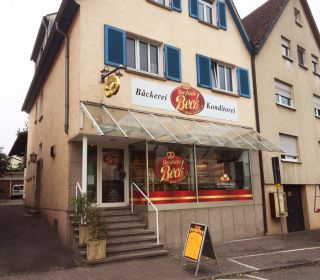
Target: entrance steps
{"x": 127, "y": 238}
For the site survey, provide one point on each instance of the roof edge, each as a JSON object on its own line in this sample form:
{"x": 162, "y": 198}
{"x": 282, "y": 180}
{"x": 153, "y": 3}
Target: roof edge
{"x": 65, "y": 16}
{"x": 311, "y": 20}
{"x": 237, "y": 19}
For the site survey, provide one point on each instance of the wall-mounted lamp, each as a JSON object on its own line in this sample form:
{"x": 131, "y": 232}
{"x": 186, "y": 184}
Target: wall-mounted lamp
{"x": 33, "y": 157}
{"x": 105, "y": 72}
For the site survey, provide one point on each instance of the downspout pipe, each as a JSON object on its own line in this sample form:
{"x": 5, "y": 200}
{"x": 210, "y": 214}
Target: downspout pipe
{"x": 256, "y": 105}
{"x": 66, "y": 78}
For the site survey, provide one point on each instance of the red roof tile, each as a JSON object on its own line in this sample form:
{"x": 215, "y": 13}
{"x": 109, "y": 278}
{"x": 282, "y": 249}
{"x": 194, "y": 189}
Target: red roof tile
{"x": 261, "y": 21}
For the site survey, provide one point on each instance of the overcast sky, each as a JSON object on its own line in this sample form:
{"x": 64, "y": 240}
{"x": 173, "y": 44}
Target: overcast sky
{"x": 19, "y": 24}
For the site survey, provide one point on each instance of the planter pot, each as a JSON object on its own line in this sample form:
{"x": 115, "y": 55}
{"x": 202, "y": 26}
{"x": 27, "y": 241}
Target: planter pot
{"x": 84, "y": 234}
{"x": 96, "y": 249}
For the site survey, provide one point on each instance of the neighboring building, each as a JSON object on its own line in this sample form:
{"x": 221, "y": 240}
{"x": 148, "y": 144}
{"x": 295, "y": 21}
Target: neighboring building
{"x": 17, "y": 156}
{"x": 287, "y": 45}
{"x": 7, "y": 181}
{"x": 181, "y": 126}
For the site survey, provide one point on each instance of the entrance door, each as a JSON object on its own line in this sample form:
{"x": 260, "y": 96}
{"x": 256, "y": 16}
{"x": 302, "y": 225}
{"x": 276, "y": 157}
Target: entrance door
{"x": 295, "y": 220}
{"x": 113, "y": 190}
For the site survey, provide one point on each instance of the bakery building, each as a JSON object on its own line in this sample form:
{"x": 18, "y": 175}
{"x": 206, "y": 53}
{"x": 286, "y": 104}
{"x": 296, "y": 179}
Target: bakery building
{"x": 287, "y": 50}
{"x": 168, "y": 106}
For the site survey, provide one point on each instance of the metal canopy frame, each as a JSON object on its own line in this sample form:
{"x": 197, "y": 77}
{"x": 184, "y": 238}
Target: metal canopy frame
{"x": 147, "y": 126}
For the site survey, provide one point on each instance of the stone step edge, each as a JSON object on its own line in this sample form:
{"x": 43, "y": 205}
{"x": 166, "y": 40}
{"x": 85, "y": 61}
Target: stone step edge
{"x": 128, "y": 248}
{"x": 123, "y": 257}
{"x": 124, "y": 226}
{"x": 127, "y": 241}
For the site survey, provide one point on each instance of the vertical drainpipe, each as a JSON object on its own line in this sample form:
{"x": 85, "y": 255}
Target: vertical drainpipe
{"x": 66, "y": 78}
{"x": 256, "y": 105}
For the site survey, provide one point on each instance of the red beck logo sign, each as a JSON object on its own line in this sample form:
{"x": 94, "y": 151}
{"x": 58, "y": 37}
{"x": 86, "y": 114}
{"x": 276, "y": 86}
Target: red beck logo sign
{"x": 187, "y": 100}
{"x": 172, "y": 169}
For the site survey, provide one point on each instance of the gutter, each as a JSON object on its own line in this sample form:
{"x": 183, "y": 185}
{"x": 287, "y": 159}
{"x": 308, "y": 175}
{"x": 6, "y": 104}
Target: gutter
{"x": 66, "y": 78}
{"x": 256, "y": 105}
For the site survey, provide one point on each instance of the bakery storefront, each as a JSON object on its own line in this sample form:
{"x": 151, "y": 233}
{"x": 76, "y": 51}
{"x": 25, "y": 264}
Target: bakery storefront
{"x": 179, "y": 160}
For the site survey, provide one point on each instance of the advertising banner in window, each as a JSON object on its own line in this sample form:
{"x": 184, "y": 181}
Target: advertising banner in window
{"x": 184, "y": 99}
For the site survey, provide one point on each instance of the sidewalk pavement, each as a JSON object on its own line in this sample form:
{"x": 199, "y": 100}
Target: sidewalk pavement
{"x": 235, "y": 257}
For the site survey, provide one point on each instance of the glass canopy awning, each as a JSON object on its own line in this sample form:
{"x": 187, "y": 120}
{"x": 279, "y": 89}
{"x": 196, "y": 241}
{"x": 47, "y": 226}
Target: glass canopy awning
{"x": 128, "y": 123}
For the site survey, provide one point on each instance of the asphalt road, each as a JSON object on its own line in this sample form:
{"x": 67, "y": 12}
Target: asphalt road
{"x": 310, "y": 272}
{"x": 27, "y": 243}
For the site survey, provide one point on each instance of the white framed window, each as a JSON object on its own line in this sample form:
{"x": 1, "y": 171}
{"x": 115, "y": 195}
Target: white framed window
{"x": 283, "y": 94}
{"x": 285, "y": 47}
{"x": 40, "y": 111}
{"x": 315, "y": 62}
{"x": 207, "y": 11}
{"x": 36, "y": 113}
{"x": 289, "y": 144}
{"x": 144, "y": 56}
{"x": 301, "y": 56}
{"x": 316, "y": 104}
{"x": 223, "y": 77}
{"x": 163, "y": 2}
{"x": 297, "y": 17}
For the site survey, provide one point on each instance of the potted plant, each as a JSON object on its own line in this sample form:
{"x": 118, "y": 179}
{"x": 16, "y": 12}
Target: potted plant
{"x": 80, "y": 207}
{"x": 96, "y": 244}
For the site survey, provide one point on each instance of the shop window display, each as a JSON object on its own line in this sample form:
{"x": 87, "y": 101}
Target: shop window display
{"x": 223, "y": 169}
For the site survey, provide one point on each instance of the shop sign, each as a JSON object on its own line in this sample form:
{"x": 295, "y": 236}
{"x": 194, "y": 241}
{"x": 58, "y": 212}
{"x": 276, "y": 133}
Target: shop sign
{"x": 187, "y": 100}
{"x": 199, "y": 244}
{"x": 194, "y": 242}
{"x": 111, "y": 85}
{"x": 172, "y": 169}
{"x": 183, "y": 99}
{"x": 225, "y": 182}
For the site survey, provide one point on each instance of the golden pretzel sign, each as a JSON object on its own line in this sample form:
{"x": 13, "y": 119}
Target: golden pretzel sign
{"x": 111, "y": 85}
{"x": 170, "y": 155}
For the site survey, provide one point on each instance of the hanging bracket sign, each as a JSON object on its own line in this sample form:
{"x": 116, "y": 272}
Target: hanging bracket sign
{"x": 199, "y": 243}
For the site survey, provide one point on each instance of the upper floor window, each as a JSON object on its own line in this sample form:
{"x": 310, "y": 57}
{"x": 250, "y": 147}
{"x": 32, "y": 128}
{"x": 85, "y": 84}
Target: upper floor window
{"x": 36, "y": 113}
{"x": 143, "y": 55}
{"x": 209, "y": 11}
{"x": 283, "y": 94}
{"x": 221, "y": 76}
{"x": 289, "y": 144}
{"x": 40, "y": 116}
{"x": 301, "y": 56}
{"x": 316, "y": 104}
{"x": 297, "y": 17}
{"x": 206, "y": 10}
{"x": 163, "y": 2}
{"x": 314, "y": 61}
{"x": 285, "y": 47}
{"x": 171, "y": 4}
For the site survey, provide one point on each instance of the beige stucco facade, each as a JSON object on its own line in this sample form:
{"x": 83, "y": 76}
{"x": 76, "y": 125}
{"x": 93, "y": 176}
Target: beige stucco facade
{"x": 59, "y": 174}
{"x": 299, "y": 121}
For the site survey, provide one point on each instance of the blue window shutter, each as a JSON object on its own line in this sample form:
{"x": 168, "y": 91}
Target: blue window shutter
{"x": 222, "y": 15}
{"x": 193, "y": 8}
{"x": 173, "y": 63}
{"x": 243, "y": 82}
{"x": 204, "y": 71}
{"x": 114, "y": 46}
{"x": 176, "y": 5}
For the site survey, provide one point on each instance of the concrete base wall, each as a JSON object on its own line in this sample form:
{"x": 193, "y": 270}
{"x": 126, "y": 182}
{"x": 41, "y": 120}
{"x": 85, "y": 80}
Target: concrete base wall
{"x": 59, "y": 220}
{"x": 226, "y": 223}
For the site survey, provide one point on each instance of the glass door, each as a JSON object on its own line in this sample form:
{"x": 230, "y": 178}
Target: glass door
{"x": 113, "y": 191}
